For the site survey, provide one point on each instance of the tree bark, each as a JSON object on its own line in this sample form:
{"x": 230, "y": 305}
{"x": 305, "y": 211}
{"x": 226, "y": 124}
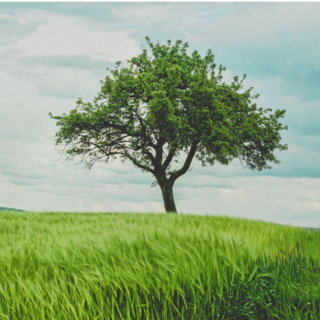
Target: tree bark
{"x": 168, "y": 199}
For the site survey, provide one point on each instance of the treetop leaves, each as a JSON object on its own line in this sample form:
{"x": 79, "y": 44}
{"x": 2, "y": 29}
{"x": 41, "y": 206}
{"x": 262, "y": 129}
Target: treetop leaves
{"x": 176, "y": 101}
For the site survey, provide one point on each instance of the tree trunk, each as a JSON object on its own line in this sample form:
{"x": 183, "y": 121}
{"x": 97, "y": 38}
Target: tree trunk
{"x": 168, "y": 199}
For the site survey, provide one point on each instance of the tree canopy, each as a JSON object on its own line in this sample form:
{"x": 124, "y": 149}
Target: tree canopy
{"x": 152, "y": 110}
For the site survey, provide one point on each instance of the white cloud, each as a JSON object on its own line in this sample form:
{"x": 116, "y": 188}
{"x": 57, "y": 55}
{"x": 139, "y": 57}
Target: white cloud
{"x": 232, "y": 194}
{"x": 167, "y": 14}
{"x": 144, "y": 13}
{"x": 275, "y": 199}
{"x": 61, "y": 34}
{"x": 97, "y": 207}
{"x": 264, "y": 23}
{"x": 314, "y": 205}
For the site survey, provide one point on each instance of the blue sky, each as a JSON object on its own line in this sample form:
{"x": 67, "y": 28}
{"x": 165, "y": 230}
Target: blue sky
{"x": 51, "y": 54}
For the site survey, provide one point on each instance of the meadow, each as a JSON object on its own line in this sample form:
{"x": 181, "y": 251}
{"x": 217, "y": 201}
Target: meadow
{"x": 63, "y": 265}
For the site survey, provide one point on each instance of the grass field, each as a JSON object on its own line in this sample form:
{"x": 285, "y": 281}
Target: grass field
{"x": 155, "y": 266}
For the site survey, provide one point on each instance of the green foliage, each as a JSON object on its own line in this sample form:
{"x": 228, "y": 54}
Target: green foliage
{"x": 150, "y": 112}
{"x": 177, "y": 100}
{"x": 155, "y": 266}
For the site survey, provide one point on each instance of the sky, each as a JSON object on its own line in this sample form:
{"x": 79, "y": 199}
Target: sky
{"x": 51, "y": 54}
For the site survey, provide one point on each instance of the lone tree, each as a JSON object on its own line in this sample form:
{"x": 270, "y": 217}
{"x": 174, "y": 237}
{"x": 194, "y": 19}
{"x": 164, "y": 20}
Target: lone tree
{"x": 170, "y": 102}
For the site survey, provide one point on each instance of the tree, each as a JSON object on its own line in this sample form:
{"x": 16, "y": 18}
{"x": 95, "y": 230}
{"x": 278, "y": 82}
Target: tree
{"x": 150, "y": 112}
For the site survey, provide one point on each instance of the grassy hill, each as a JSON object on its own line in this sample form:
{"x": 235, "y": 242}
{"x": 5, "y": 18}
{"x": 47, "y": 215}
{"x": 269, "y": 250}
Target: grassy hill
{"x": 156, "y": 266}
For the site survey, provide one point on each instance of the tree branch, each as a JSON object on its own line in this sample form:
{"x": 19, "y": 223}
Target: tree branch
{"x": 144, "y": 129}
{"x": 176, "y": 174}
{"x": 134, "y": 95}
{"x": 135, "y": 162}
{"x": 169, "y": 158}
{"x": 125, "y": 154}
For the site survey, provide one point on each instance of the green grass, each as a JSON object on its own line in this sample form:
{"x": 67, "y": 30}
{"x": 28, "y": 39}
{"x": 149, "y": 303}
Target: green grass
{"x": 155, "y": 266}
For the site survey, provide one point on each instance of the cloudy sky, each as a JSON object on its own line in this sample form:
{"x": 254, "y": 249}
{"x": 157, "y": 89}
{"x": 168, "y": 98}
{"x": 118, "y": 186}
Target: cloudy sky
{"x": 51, "y": 54}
